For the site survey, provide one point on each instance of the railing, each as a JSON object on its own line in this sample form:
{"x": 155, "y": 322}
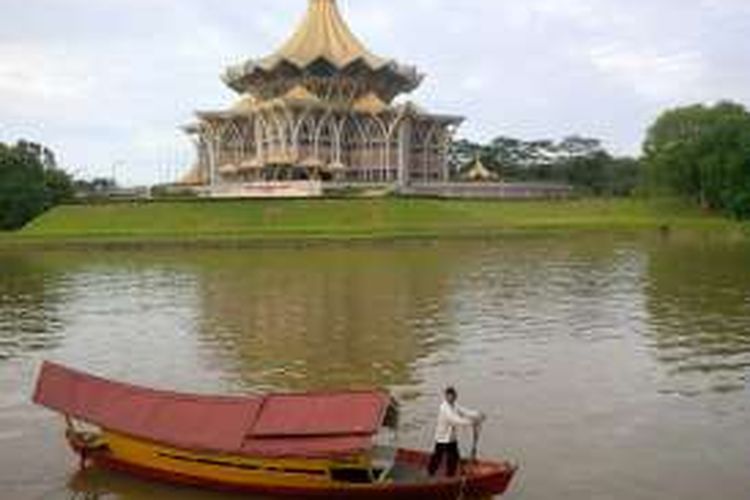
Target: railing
{"x": 489, "y": 190}
{"x": 271, "y": 189}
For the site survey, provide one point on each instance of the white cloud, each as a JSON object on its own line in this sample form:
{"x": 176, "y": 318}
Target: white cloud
{"x": 654, "y": 75}
{"x": 41, "y": 78}
{"x": 475, "y": 82}
{"x": 114, "y": 79}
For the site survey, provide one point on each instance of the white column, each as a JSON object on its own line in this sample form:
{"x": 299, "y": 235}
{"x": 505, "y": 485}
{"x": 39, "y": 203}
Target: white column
{"x": 404, "y": 151}
{"x": 260, "y": 135}
{"x": 446, "y": 144}
{"x": 211, "y": 152}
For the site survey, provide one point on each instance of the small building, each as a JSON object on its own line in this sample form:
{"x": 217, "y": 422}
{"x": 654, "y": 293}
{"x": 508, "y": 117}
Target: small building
{"x": 477, "y": 172}
{"x": 322, "y": 108}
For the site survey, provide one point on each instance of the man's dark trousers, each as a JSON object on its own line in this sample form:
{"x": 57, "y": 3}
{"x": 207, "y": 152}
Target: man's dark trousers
{"x": 445, "y": 449}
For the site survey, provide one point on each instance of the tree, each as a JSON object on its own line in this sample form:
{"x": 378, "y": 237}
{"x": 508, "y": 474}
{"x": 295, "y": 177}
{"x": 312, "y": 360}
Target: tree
{"x": 22, "y": 190}
{"x": 702, "y": 153}
{"x": 43, "y": 154}
{"x": 30, "y": 183}
{"x": 625, "y": 176}
{"x": 99, "y": 186}
{"x": 582, "y": 162}
{"x": 576, "y": 146}
{"x": 60, "y": 186}
{"x": 590, "y": 173}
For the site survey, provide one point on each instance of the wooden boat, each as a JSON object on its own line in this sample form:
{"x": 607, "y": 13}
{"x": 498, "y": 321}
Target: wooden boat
{"x": 332, "y": 445}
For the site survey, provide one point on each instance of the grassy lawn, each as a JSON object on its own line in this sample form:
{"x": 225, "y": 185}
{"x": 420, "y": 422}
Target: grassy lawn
{"x": 218, "y": 221}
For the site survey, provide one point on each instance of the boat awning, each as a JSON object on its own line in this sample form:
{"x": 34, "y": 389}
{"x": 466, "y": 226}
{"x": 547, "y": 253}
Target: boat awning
{"x": 304, "y": 415}
{"x": 276, "y": 425}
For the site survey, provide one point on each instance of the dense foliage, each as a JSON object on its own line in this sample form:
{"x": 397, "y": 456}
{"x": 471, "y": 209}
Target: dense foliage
{"x": 97, "y": 187}
{"x": 702, "y": 153}
{"x": 30, "y": 183}
{"x": 580, "y": 161}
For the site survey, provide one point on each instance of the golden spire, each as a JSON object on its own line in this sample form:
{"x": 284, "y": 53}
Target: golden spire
{"x": 323, "y": 34}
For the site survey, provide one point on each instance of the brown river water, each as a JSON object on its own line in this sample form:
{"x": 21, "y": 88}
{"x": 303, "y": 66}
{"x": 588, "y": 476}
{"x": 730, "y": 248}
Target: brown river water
{"x": 611, "y": 367}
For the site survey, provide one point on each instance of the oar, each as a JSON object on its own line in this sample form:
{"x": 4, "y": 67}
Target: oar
{"x": 476, "y": 429}
{"x": 474, "y": 452}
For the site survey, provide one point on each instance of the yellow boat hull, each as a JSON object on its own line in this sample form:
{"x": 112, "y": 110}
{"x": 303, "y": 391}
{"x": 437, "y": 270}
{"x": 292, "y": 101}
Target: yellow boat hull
{"x": 297, "y": 478}
{"x": 225, "y": 469}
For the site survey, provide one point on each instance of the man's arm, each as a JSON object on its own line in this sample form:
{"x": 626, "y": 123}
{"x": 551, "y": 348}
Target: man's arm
{"x": 455, "y": 416}
{"x": 472, "y": 415}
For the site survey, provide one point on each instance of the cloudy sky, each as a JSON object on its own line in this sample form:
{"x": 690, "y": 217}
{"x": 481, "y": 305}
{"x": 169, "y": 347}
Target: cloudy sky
{"x": 107, "y": 83}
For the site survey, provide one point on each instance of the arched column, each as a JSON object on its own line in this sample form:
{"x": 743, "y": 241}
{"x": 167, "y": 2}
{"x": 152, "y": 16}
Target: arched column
{"x": 327, "y": 144}
{"x": 209, "y": 138}
{"x": 431, "y": 151}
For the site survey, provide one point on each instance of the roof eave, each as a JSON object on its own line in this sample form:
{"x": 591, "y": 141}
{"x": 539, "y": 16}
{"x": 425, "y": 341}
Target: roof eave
{"x": 236, "y": 75}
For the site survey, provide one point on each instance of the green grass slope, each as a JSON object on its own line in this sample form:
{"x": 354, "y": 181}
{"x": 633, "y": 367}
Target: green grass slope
{"x": 347, "y": 219}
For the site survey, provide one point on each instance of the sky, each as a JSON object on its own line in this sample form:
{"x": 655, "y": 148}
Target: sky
{"x": 108, "y": 83}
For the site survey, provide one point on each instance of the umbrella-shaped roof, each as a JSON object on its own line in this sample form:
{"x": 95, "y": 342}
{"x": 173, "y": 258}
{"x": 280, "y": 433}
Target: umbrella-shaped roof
{"x": 322, "y": 38}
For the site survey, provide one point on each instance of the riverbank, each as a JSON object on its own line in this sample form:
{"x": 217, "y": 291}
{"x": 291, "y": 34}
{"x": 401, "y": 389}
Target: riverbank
{"x": 248, "y": 222}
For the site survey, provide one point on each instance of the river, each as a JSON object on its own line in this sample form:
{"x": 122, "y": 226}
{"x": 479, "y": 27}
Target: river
{"x": 611, "y": 367}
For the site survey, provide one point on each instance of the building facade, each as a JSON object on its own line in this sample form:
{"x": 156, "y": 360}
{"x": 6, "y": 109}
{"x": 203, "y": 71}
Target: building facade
{"x": 322, "y": 107}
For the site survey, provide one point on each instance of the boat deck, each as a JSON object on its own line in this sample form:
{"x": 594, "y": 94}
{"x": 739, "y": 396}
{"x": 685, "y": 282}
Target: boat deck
{"x": 408, "y": 473}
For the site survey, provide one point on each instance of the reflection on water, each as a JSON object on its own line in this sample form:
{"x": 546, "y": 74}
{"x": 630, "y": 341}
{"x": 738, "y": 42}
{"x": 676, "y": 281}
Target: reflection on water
{"x": 28, "y": 306}
{"x": 333, "y": 318}
{"x": 93, "y": 484}
{"x": 580, "y": 350}
{"x": 699, "y": 305}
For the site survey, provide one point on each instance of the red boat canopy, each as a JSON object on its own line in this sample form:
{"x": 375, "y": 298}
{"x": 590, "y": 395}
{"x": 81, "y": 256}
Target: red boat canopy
{"x": 301, "y": 425}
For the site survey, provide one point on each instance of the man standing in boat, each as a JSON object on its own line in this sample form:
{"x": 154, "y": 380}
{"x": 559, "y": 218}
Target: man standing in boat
{"x": 450, "y": 417}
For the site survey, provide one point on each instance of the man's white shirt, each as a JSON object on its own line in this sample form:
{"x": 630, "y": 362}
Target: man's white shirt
{"x": 450, "y": 418}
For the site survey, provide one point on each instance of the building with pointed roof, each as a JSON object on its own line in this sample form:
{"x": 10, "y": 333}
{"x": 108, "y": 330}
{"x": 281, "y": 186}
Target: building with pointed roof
{"x": 321, "y": 107}
{"x": 477, "y": 172}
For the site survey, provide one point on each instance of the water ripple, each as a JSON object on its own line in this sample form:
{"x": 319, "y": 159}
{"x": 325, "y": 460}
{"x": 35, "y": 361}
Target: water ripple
{"x": 570, "y": 341}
